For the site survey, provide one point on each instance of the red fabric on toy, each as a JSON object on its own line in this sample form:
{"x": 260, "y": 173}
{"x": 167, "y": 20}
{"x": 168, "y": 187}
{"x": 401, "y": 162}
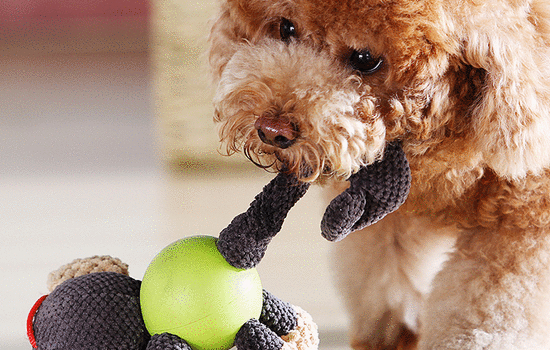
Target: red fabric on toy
{"x": 30, "y": 319}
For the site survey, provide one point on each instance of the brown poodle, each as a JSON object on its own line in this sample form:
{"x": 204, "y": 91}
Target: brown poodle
{"x": 464, "y": 85}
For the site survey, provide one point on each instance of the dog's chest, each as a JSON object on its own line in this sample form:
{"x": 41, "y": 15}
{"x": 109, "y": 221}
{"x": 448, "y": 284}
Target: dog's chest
{"x": 443, "y": 189}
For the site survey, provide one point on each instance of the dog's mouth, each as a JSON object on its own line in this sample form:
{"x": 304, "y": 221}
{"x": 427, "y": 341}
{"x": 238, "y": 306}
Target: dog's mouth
{"x": 301, "y": 158}
{"x": 293, "y": 143}
{"x": 375, "y": 190}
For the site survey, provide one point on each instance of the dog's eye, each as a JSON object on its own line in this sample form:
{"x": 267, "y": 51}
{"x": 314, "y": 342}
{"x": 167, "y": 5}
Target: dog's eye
{"x": 364, "y": 62}
{"x": 287, "y": 29}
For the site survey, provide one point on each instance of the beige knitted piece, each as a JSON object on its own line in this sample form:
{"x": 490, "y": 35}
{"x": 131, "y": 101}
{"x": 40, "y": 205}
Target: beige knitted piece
{"x": 305, "y": 336}
{"x": 80, "y": 267}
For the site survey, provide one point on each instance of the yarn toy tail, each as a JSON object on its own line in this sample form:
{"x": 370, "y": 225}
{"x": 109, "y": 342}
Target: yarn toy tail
{"x": 243, "y": 243}
{"x": 374, "y": 192}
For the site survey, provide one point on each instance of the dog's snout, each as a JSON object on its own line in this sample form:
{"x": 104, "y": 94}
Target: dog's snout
{"x": 276, "y": 131}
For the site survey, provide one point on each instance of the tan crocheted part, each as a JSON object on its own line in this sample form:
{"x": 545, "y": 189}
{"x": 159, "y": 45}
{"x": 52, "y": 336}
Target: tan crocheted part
{"x": 306, "y": 334}
{"x": 80, "y": 267}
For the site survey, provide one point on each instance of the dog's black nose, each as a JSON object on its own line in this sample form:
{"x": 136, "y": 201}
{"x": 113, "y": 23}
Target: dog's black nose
{"x": 276, "y": 131}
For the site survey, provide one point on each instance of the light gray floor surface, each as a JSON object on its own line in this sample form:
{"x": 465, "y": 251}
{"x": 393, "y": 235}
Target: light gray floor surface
{"x": 80, "y": 175}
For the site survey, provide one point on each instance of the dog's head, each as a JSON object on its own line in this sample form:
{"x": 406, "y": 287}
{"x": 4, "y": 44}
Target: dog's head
{"x": 328, "y": 83}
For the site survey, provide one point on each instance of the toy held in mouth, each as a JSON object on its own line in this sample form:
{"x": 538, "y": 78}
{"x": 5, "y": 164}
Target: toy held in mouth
{"x": 191, "y": 291}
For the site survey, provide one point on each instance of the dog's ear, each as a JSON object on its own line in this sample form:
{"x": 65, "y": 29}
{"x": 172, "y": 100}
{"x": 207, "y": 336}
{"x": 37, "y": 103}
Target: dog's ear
{"x": 511, "y": 117}
{"x": 223, "y": 38}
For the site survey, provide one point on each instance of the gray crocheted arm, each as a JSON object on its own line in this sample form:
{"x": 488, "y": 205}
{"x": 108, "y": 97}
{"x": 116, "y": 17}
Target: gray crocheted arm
{"x": 167, "y": 341}
{"x": 278, "y": 315}
{"x": 244, "y": 242}
{"x": 277, "y": 319}
{"x": 374, "y": 192}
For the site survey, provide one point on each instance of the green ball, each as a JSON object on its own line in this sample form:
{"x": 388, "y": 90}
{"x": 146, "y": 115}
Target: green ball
{"x": 191, "y": 291}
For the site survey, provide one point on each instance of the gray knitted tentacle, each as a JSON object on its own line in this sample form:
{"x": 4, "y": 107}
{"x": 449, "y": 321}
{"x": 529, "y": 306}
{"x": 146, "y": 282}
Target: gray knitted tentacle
{"x": 343, "y": 213}
{"x": 389, "y": 181}
{"x": 254, "y": 335}
{"x": 167, "y": 341}
{"x": 374, "y": 192}
{"x": 388, "y": 184}
{"x": 243, "y": 243}
{"x": 278, "y": 315}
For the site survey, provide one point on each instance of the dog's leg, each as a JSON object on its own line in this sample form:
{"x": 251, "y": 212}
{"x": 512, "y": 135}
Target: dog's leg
{"x": 385, "y": 272}
{"x": 493, "y": 294}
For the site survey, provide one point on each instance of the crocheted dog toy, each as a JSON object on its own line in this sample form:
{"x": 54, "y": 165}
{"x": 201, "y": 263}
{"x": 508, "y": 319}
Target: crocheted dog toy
{"x": 94, "y": 304}
{"x": 101, "y": 310}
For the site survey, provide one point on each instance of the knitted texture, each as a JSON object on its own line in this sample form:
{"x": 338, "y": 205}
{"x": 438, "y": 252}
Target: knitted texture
{"x": 102, "y": 311}
{"x": 277, "y": 315}
{"x": 244, "y": 242}
{"x": 374, "y": 192}
{"x": 304, "y": 336}
{"x": 167, "y": 341}
{"x": 81, "y": 267}
{"x": 254, "y": 335}
{"x": 95, "y": 311}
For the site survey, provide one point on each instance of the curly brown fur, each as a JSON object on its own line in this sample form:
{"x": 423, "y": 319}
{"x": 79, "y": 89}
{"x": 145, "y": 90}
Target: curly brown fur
{"x": 465, "y": 87}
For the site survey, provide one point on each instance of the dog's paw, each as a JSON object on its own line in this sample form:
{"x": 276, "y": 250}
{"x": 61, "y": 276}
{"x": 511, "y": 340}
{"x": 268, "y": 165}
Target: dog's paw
{"x": 405, "y": 340}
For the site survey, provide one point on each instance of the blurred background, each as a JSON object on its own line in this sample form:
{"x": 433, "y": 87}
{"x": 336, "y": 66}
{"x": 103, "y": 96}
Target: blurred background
{"x": 107, "y": 147}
